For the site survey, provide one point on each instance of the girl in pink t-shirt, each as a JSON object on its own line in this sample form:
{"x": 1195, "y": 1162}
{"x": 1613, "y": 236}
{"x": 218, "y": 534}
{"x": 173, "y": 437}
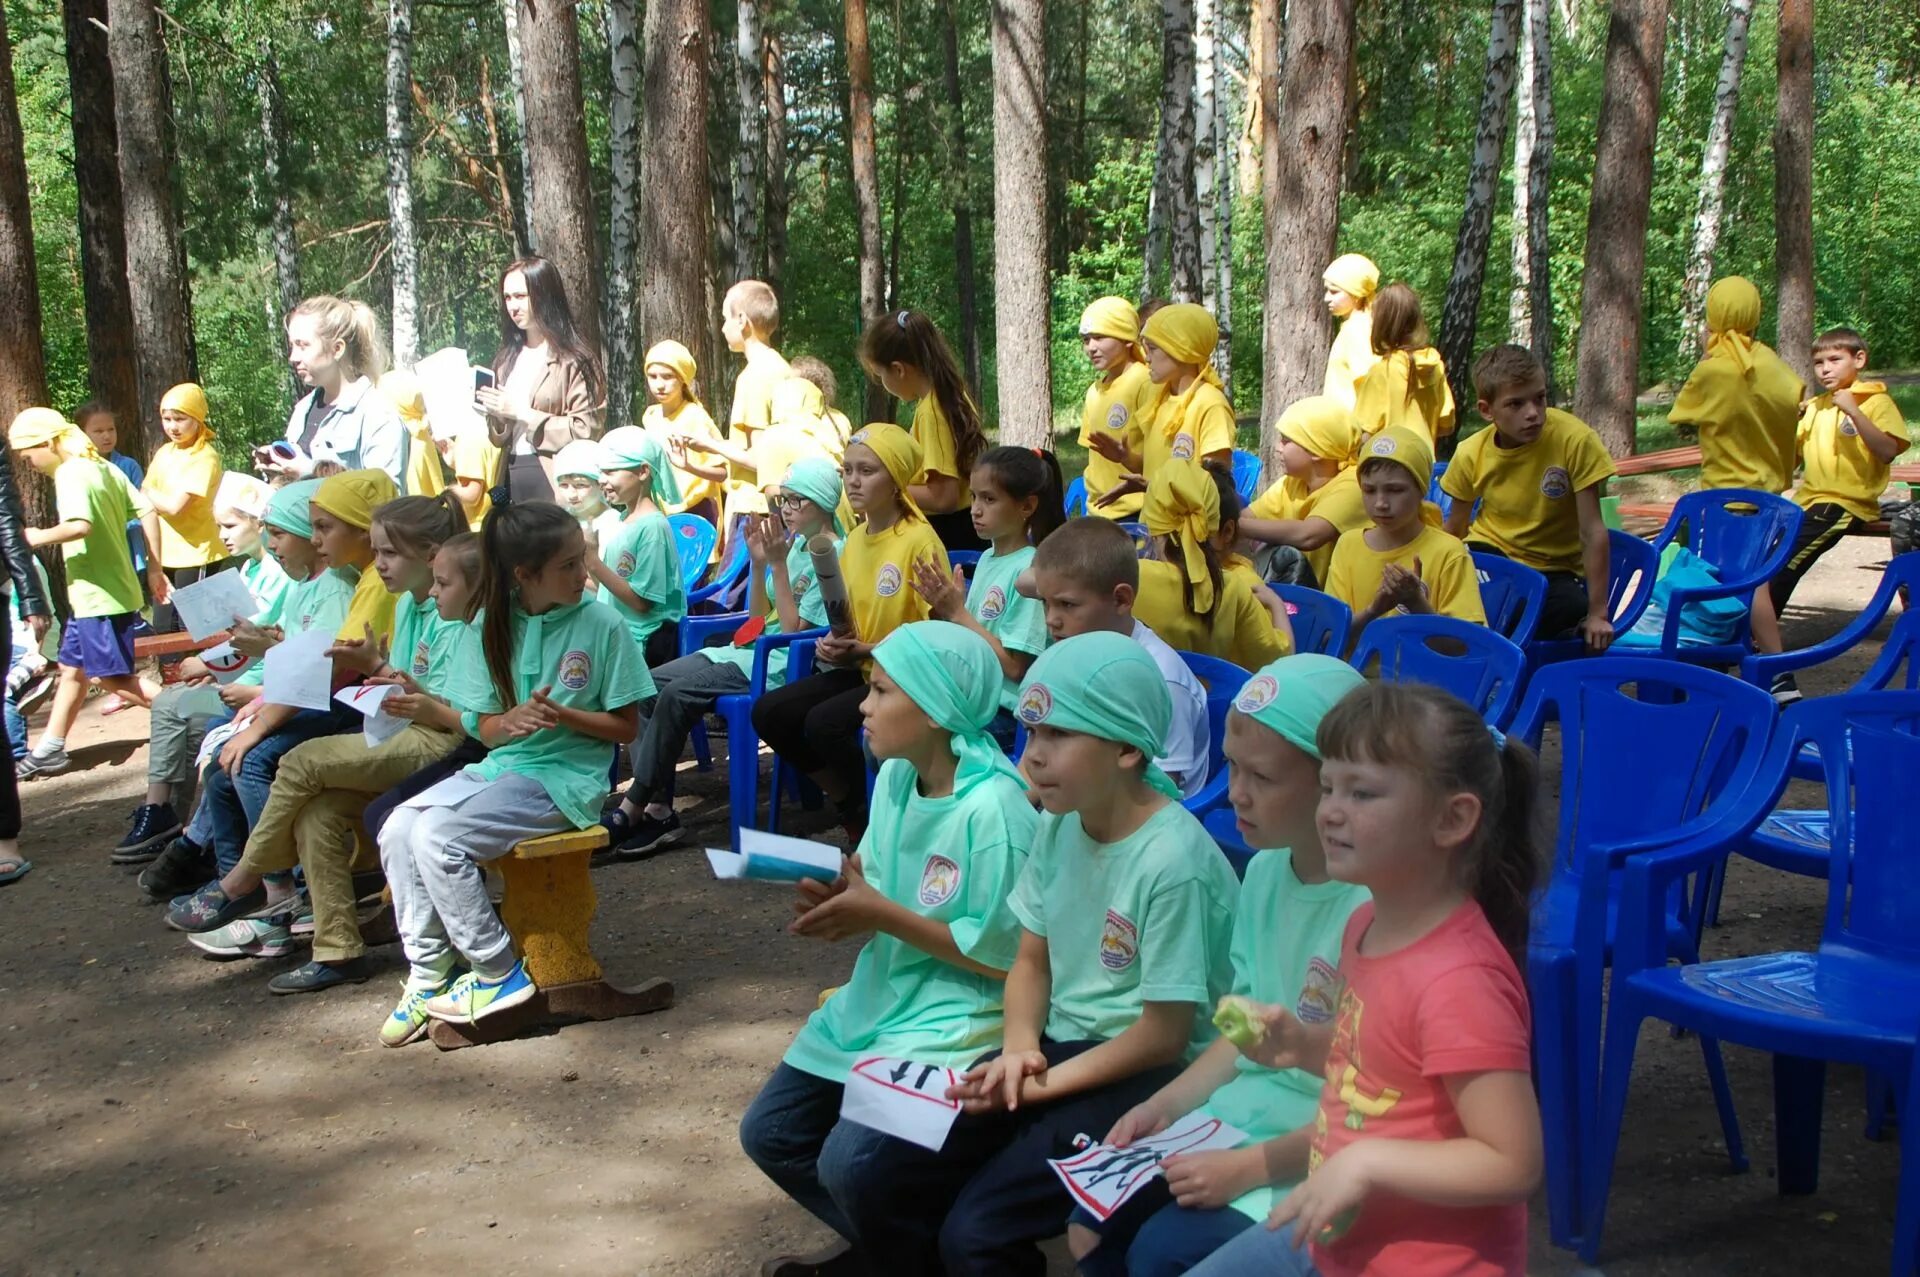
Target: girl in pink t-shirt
{"x": 1427, "y": 1143}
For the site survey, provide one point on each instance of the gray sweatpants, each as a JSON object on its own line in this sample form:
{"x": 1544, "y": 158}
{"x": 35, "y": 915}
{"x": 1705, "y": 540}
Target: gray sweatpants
{"x": 177, "y": 723}
{"x": 432, "y": 858}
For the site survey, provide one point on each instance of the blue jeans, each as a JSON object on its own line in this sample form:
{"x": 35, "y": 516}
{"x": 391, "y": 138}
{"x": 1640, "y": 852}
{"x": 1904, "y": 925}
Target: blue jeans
{"x": 230, "y": 804}
{"x": 1260, "y": 1252}
{"x": 1151, "y": 1235}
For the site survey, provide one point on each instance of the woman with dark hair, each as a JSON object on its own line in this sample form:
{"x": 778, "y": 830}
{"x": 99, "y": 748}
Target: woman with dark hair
{"x": 18, "y": 572}
{"x": 550, "y": 387}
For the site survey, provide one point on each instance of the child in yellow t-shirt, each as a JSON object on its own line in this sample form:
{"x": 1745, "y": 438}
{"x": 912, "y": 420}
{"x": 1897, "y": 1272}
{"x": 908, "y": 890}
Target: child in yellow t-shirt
{"x": 1184, "y": 597}
{"x": 1119, "y": 405}
{"x": 1404, "y": 563}
{"x": 816, "y": 370}
{"x": 749, "y": 316}
{"x": 1536, "y": 476}
{"x": 1848, "y": 438}
{"x": 1408, "y": 387}
{"x": 1741, "y": 397}
{"x": 1351, "y": 281}
{"x": 181, "y": 480}
{"x": 425, "y": 475}
{"x": 1317, "y": 499}
{"x": 906, "y": 354}
{"x": 681, "y": 423}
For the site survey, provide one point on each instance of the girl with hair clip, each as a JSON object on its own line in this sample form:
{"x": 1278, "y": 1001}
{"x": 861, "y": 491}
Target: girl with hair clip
{"x": 559, "y": 686}
{"x": 1351, "y": 282}
{"x": 1427, "y": 1141}
{"x": 1192, "y": 420}
{"x": 678, "y": 419}
{"x": 343, "y": 424}
{"x": 1408, "y": 387}
{"x": 549, "y": 388}
{"x": 1119, "y": 404}
{"x": 906, "y": 354}
{"x": 1184, "y": 597}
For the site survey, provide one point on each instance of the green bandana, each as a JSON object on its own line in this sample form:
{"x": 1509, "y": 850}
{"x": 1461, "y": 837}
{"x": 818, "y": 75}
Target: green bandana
{"x": 290, "y": 508}
{"x": 629, "y": 448}
{"x": 952, "y": 674}
{"x": 1104, "y": 685}
{"x": 1291, "y": 695}
{"x": 818, "y": 480}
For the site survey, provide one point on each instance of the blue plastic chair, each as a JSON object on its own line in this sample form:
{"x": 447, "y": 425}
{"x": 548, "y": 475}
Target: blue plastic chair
{"x": 1745, "y": 548}
{"x": 731, "y": 572}
{"x": 1076, "y": 498}
{"x": 693, "y": 541}
{"x": 1138, "y": 531}
{"x": 1246, "y": 475}
{"x": 1224, "y": 828}
{"x": 1321, "y": 622}
{"x": 1650, "y": 752}
{"x": 1223, "y": 681}
{"x": 1855, "y": 999}
{"x": 1902, "y": 574}
{"x": 1632, "y": 567}
{"x": 965, "y": 560}
{"x": 1471, "y": 661}
{"x": 1512, "y": 595}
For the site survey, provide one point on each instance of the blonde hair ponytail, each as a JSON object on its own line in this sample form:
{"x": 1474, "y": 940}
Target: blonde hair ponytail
{"x": 354, "y": 325}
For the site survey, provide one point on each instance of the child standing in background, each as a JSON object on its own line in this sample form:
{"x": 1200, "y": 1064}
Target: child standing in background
{"x": 425, "y": 475}
{"x": 577, "y": 487}
{"x": 1184, "y": 598}
{"x": 1317, "y": 499}
{"x": 1191, "y": 418}
{"x": 907, "y": 355}
{"x": 1741, "y": 397}
{"x": 1408, "y": 387}
{"x": 749, "y": 317}
{"x": 182, "y": 477}
{"x": 818, "y": 372}
{"x": 1351, "y": 282}
{"x": 96, "y": 421}
{"x": 677, "y": 416}
{"x": 637, "y": 568}
{"x": 1119, "y": 404}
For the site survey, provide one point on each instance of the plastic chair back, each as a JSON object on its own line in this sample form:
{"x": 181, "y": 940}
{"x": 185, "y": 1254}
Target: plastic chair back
{"x": 1321, "y": 622}
{"x": 731, "y": 572}
{"x": 1435, "y": 493}
{"x": 1740, "y": 544}
{"x": 1632, "y": 567}
{"x": 1077, "y": 498}
{"x": 1246, "y": 475}
{"x": 1512, "y": 594}
{"x": 1902, "y": 645}
{"x": 1222, "y": 681}
{"x": 1138, "y": 531}
{"x": 965, "y": 560}
{"x": 693, "y": 541}
{"x": 1479, "y": 666}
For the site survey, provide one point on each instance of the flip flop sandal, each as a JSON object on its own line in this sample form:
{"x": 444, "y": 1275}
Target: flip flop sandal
{"x": 19, "y": 870}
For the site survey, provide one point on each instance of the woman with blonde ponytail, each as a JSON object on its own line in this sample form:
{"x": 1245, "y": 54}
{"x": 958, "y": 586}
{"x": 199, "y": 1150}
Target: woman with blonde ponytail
{"x": 334, "y": 347}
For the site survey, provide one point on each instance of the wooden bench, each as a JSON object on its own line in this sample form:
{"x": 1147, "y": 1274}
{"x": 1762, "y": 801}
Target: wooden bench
{"x": 1657, "y": 512}
{"x": 180, "y": 644}
{"x": 548, "y": 910}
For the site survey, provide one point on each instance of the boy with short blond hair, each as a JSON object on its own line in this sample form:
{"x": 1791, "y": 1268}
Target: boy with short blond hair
{"x": 749, "y": 316}
{"x": 1536, "y": 476}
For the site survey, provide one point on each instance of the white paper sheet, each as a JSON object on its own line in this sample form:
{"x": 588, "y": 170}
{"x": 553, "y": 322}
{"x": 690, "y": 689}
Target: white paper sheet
{"x": 450, "y": 792}
{"x": 767, "y": 857}
{"x": 446, "y": 383}
{"x": 213, "y": 603}
{"x": 225, "y": 662}
{"x": 368, "y": 698}
{"x": 1103, "y": 1176}
{"x": 902, "y": 1098}
{"x": 299, "y": 673}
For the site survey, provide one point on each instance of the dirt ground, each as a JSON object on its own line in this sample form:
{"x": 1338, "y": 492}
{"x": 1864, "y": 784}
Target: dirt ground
{"x": 164, "y": 1115}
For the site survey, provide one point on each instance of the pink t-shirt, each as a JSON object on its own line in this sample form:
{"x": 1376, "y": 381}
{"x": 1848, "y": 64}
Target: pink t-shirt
{"x": 1452, "y": 1002}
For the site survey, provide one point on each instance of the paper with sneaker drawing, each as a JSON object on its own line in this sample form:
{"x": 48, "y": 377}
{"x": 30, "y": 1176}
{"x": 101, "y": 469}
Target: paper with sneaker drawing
{"x": 298, "y": 671}
{"x": 368, "y": 698}
{"x": 213, "y": 603}
{"x": 210, "y": 744}
{"x": 769, "y": 857}
{"x": 1103, "y": 1176}
{"x": 903, "y": 1098}
{"x": 225, "y": 662}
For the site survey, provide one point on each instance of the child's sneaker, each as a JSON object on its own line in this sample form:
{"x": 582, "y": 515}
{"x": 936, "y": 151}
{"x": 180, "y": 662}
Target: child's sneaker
{"x": 246, "y": 938}
{"x": 153, "y": 825}
{"x": 409, "y": 1021}
{"x": 183, "y": 866}
{"x": 650, "y": 834}
{"x": 38, "y": 763}
{"x": 33, "y": 693}
{"x": 471, "y": 997}
{"x": 1785, "y": 690}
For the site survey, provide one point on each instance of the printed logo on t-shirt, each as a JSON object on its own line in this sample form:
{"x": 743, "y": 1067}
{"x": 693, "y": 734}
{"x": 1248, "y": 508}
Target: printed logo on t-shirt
{"x": 1117, "y": 417}
{"x": 576, "y": 667}
{"x": 1257, "y": 694}
{"x": 938, "y": 881}
{"x": 1319, "y": 993}
{"x": 1035, "y": 704}
{"x": 623, "y": 566}
{"x": 1848, "y": 429}
{"x": 420, "y": 658}
{"x": 1119, "y": 943}
{"x": 887, "y": 583}
{"x": 1555, "y": 483}
{"x": 802, "y": 583}
{"x": 1183, "y": 447}
{"x": 994, "y": 604}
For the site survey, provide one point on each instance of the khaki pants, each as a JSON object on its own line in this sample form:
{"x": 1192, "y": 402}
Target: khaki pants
{"x": 312, "y": 818}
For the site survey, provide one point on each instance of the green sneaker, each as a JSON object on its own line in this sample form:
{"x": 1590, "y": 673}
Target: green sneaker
{"x": 471, "y": 997}
{"x": 409, "y": 1020}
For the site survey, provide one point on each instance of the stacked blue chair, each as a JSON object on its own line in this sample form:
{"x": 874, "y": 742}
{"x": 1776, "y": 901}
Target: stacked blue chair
{"x": 1855, "y": 999}
{"x": 1321, "y": 622}
{"x": 1076, "y": 498}
{"x": 1224, "y": 827}
{"x": 965, "y": 560}
{"x": 693, "y": 541}
{"x": 1246, "y": 475}
{"x": 1471, "y": 661}
{"x": 1223, "y": 681}
{"x": 1512, "y": 595}
{"x": 1651, "y": 751}
{"x": 1745, "y": 535}
{"x": 1632, "y": 567}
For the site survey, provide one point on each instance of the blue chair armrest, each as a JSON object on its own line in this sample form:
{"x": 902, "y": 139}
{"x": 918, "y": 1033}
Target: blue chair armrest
{"x": 1681, "y": 595}
{"x": 696, "y": 630}
{"x": 769, "y": 643}
{"x": 1760, "y": 669}
{"x": 1640, "y": 938}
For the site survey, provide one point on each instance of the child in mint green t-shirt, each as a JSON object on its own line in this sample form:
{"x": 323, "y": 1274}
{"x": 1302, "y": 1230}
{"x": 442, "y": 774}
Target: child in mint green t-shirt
{"x": 636, "y": 564}
{"x": 1286, "y": 949}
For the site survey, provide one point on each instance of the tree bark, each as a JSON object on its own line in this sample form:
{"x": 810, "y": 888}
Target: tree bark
{"x": 1302, "y": 152}
{"x": 1225, "y": 161}
{"x": 1205, "y": 109}
{"x": 1793, "y": 188}
{"x": 556, "y": 145}
{"x": 1022, "y": 323}
{"x": 964, "y": 267}
{"x": 866, "y": 183}
{"x": 404, "y": 260}
{"x": 1530, "y": 305}
{"x": 273, "y": 178}
{"x": 675, "y": 234}
{"x": 623, "y": 46}
{"x": 775, "y": 89}
{"x": 525, "y": 242}
{"x": 1713, "y": 180}
{"x": 23, "y": 361}
{"x": 156, "y": 258}
{"x": 112, "y": 367}
{"x": 1177, "y": 134}
{"x": 749, "y": 70}
{"x": 1608, "y": 362}
{"x": 1460, "y": 312}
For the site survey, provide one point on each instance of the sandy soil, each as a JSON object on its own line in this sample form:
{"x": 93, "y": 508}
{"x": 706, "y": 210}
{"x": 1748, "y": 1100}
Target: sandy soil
{"x": 164, "y": 1115}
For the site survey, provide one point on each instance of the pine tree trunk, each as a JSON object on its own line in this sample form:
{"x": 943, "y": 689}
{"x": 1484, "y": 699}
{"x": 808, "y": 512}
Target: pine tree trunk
{"x": 1713, "y": 181}
{"x": 1460, "y": 312}
{"x": 404, "y": 259}
{"x": 1793, "y": 187}
{"x": 1205, "y": 173}
{"x": 1177, "y": 133}
{"x": 526, "y": 245}
{"x": 1154, "y": 250}
{"x": 112, "y": 366}
{"x": 675, "y": 235}
{"x": 23, "y": 363}
{"x": 749, "y": 69}
{"x": 1021, "y": 222}
{"x": 775, "y": 89}
{"x": 1608, "y": 362}
{"x": 156, "y": 258}
{"x": 273, "y": 178}
{"x": 1302, "y": 159}
{"x": 906, "y": 102}
{"x": 556, "y": 146}
{"x": 964, "y": 267}
{"x": 866, "y": 184}
{"x": 1530, "y": 306}
{"x": 623, "y": 46}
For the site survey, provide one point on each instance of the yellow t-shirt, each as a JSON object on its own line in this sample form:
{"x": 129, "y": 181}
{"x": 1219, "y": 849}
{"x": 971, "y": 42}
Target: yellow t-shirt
{"x": 1746, "y": 422}
{"x": 191, "y": 538}
{"x": 940, "y": 451}
{"x": 1838, "y": 467}
{"x": 1119, "y": 409}
{"x": 1526, "y": 494}
{"x": 1383, "y": 399}
{"x": 1351, "y": 358}
{"x": 1338, "y": 501}
{"x": 752, "y": 411}
{"x": 425, "y": 477}
{"x": 474, "y": 456}
{"x": 878, "y": 570}
{"x": 1453, "y": 587}
{"x": 1202, "y": 429}
{"x": 692, "y": 419}
{"x": 370, "y": 605}
{"x": 1239, "y": 629}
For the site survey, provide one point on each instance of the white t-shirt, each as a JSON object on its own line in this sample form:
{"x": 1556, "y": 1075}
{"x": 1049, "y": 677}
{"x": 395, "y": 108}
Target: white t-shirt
{"x": 1187, "y": 736}
{"x": 522, "y": 380}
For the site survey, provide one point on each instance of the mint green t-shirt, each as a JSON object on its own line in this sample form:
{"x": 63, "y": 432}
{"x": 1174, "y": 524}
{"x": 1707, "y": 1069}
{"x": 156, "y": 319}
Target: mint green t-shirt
{"x": 1020, "y": 623}
{"x": 1286, "y": 951}
{"x": 423, "y": 644}
{"x": 268, "y": 582}
{"x": 100, "y": 576}
{"x": 1146, "y": 919}
{"x": 318, "y": 604}
{"x": 589, "y": 660}
{"x": 640, "y": 552}
{"x": 813, "y": 613}
{"x": 952, "y": 859}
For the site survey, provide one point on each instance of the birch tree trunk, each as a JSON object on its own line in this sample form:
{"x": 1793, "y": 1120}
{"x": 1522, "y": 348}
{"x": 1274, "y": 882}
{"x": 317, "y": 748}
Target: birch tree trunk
{"x": 1460, "y": 312}
{"x": 1793, "y": 188}
{"x": 623, "y": 48}
{"x": 675, "y": 235}
{"x": 1021, "y": 223}
{"x": 556, "y": 147}
{"x": 112, "y": 371}
{"x": 1608, "y": 362}
{"x": 1303, "y": 151}
{"x": 749, "y": 70}
{"x": 1182, "y": 217}
{"x": 404, "y": 260}
{"x": 273, "y": 178}
{"x": 1206, "y": 88}
{"x": 775, "y": 88}
{"x": 526, "y": 244}
{"x": 958, "y": 170}
{"x": 866, "y": 184}
{"x": 1530, "y": 306}
{"x": 1154, "y": 251}
{"x": 1713, "y": 181}
{"x": 156, "y": 258}
{"x": 1225, "y": 164}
